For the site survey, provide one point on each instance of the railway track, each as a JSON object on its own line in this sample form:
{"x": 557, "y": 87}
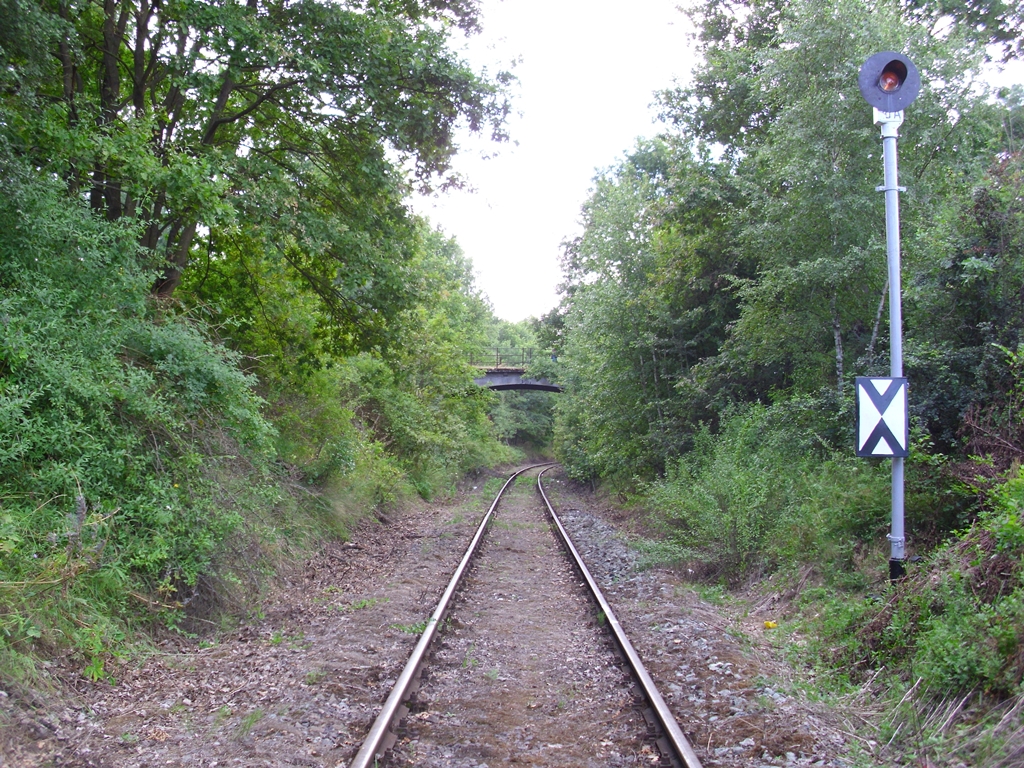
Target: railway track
{"x": 524, "y": 660}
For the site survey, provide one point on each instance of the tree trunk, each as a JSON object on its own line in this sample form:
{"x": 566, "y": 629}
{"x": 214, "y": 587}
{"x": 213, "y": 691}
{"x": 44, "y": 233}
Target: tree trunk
{"x": 837, "y": 335}
{"x": 878, "y": 323}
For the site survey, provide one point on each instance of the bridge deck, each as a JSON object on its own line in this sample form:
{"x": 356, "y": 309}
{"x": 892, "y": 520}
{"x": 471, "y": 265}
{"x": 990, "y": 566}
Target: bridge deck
{"x": 510, "y": 378}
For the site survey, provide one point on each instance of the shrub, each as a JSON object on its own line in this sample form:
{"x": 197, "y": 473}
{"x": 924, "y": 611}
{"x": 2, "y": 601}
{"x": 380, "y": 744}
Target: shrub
{"x": 761, "y": 492}
{"x": 120, "y": 424}
{"x": 957, "y": 622}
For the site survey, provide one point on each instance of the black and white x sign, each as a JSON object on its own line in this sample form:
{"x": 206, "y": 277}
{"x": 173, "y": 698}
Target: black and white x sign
{"x": 882, "y": 417}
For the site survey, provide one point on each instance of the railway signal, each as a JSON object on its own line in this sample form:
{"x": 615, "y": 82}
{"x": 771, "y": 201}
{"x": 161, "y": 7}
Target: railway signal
{"x": 890, "y": 82}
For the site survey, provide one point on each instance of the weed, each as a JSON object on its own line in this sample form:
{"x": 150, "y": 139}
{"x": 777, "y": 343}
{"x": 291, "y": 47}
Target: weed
{"x": 715, "y": 594}
{"x": 469, "y": 661}
{"x": 250, "y": 720}
{"x": 739, "y": 635}
{"x": 96, "y": 671}
{"x": 491, "y": 487}
{"x": 315, "y": 676}
{"x": 358, "y": 605}
{"x": 413, "y": 629}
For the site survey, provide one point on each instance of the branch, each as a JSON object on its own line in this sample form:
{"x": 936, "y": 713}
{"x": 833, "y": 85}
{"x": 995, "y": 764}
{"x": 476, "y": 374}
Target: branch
{"x": 216, "y": 123}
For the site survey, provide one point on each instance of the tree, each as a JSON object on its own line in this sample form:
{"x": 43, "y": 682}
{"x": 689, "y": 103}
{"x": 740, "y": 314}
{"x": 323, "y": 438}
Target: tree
{"x": 618, "y": 355}
{"x": 726, "y": 103}
{"x": 265, "y": 116}
{"x": 760, "y": 275}
{"x": 814, "y": 311}
{"x": 966, "y": 308}
{"x": 989, "y": 22}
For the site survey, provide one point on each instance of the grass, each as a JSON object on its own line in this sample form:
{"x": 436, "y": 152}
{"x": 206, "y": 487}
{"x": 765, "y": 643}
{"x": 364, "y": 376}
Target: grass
{"x": 246, "y": 725}
{"x": 716, "y": 594}
{"x": 469, "y": 508}
{"x": 413, "y": 629}
{"x": 359, "y": 605}
{"x": 491, "y": 487}
{"x": 315, "y": 676}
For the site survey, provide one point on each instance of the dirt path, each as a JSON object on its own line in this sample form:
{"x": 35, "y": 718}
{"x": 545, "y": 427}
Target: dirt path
{"x": 302, "y": 685}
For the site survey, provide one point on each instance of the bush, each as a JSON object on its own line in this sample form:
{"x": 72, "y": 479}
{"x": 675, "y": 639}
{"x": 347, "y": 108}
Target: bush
{"x": 764, "y": 491}
{"x": 435, "y": 430}
{"x": 957, "y": 622}
{"x": 120, "y": 426}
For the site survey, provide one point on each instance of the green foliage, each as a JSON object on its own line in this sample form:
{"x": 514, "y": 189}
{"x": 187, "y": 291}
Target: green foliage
{"x": 420, "y": 400}
{"x": 119, "y": 423}
{"x": 524, "y": 418}
{"x": 413, "y": 405}
{"x": 964, "y": 311}
{"x": 134, "y": 447}
{"x": 955, "y": 623}
{"x": 628, "y": 327}
{"x": 995, "y": 23}
{"x": 741, "y": 261}
{"x": 434, "y": 434}
{"x": 252, "y": 160}
{"x": 765, "y": 491}
{"x": 282, "y": 124}
{"x": 1004, "y": 520}
{"x": 730, "y": 282}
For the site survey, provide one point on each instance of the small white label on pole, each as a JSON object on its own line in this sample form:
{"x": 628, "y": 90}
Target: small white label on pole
{"x": 882, "y": 427}
{"x": 887, "y": 117}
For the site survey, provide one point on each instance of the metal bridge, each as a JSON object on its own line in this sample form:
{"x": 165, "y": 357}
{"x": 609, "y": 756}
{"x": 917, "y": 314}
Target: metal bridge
{"x": 505, "y": 368}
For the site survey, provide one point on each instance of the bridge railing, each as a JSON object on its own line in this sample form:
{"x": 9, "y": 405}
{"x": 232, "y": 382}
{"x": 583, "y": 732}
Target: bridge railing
{"x": 504, "y": 357}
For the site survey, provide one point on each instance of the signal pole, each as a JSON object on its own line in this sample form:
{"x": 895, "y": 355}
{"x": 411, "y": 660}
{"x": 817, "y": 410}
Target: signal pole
{"x": 889, "y": 82}
{"x": 897, "y": 540}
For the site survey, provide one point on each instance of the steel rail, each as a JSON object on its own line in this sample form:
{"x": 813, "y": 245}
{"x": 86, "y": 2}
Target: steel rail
{"x": 375, "y": 745}
{"x": 673, "y": 733}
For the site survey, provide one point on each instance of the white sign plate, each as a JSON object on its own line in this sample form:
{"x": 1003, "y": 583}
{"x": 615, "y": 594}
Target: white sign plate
{"x": 893, "y": 118}
{"x": 882, "y": 428}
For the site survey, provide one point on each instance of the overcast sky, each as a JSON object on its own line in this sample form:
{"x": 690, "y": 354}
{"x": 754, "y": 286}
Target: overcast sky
{"x": 587, "y": 77}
